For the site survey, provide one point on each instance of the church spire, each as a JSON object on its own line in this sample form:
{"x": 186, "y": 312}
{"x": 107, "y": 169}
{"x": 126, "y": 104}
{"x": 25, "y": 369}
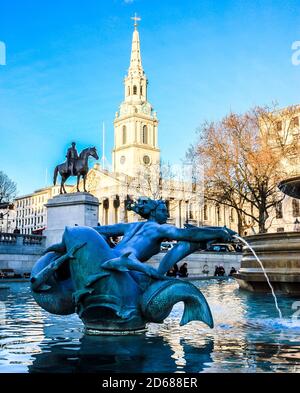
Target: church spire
{"x": 135, "y": 124}
{"x": 135, "y": 58}
{"x": 136, "y": 19}
{"x": 135, "y": 81}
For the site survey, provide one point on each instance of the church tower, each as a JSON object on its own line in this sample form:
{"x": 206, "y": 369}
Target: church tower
{"x": 135, "y": 124}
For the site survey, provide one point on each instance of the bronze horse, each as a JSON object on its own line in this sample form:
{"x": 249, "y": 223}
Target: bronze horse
{"x": 81, "y": 169}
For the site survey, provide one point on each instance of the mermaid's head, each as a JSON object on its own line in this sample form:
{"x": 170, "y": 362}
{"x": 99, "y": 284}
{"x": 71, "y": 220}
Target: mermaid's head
{"x": 155, "y": 210}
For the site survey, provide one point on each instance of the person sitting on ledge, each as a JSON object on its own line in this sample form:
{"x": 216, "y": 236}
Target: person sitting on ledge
{"x": 221, "y": 271}
{"x": 142, "y": 240}
{"x": 173, "y": 271}
{"x": 232, "y": 271}
{"x": 183, "y": 271}
{"x": 216, "y": 273}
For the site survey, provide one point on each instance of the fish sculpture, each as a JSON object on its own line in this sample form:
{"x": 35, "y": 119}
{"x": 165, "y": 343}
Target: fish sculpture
{"x": 111, "y": 293}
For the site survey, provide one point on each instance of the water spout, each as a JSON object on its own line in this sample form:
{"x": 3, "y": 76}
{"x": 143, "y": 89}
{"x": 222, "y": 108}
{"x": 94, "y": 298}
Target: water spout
{"x": 264, "y": 271}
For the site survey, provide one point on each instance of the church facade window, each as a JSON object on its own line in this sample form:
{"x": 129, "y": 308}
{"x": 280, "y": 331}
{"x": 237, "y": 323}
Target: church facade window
{"x": 134, "y": 90}
{"x": 205, "y": 215}
{"x": 218, "y": 213}
{"x": 124, "y": 136}
{"x": 296, "y": 209}
{"x": 145, "y": 135}
{"x": 278, "y": 210}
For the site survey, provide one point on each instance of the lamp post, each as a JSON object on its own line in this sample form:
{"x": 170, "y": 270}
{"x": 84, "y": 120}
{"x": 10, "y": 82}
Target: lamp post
{"x": 7, "y": 216}
{"x": 2, "y": 217}
{"x": 187, "y": 212}
{"x": 34, "y": 220}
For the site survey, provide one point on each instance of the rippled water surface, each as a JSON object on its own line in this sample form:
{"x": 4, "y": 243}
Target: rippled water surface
{"x": 248, "y": 337}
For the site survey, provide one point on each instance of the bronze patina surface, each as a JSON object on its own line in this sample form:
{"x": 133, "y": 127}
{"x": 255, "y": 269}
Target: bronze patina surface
{"x": 110, "y": 288}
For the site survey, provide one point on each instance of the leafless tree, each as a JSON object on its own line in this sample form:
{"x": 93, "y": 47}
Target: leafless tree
{"x": 245, "y": 157}
{"x": 8, "y": 188}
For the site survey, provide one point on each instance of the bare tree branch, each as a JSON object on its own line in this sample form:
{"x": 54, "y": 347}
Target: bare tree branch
{"x": 242, "y": 158}
{"x": 8, "y": 188}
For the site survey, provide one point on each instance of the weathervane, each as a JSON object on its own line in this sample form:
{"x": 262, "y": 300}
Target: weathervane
{"x": 136, "y": 19}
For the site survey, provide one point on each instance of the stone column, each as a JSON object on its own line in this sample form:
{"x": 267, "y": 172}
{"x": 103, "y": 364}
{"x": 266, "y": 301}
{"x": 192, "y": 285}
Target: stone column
{"x": 79, "y": 208}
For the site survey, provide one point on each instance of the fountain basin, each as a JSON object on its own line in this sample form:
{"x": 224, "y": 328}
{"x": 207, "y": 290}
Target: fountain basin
{"x": 248, "y": 337}
{"x": 291, "y": 187}
{"x": 280, "y": 255}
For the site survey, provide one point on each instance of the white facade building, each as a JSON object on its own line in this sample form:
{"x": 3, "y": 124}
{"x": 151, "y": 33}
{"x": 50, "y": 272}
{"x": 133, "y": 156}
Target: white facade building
{"x": 30, "y": 210}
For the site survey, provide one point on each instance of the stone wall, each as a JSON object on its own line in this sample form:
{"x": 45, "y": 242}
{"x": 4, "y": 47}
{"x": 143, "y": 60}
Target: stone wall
{"x": 20, "y": 252}
{"x": 200, "y": 261}
{"x": 280, "y": 255}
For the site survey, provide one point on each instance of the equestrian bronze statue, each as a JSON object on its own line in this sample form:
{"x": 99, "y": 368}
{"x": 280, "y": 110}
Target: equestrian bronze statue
{"x": 76, "y": 165}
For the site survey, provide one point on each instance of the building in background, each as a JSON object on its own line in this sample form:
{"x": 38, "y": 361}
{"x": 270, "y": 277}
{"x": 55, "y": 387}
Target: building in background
{"x": 30, "y": 210}
{"x": 285, "y": 217}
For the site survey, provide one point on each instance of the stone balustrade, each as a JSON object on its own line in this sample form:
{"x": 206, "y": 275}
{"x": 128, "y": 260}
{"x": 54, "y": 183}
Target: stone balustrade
{"x": 8, "y": 238}
{"x": 19, "y": 252}
{"x": 18, "y": 239}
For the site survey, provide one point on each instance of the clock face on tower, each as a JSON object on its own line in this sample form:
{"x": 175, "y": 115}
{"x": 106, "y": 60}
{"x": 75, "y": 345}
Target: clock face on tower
{"x": 122, "y": 159}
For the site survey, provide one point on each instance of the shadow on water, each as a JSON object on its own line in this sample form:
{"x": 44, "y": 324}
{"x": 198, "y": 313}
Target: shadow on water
{"x": 100, "y": 354}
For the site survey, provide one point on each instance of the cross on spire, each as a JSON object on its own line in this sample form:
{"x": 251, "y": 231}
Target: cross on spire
{"x": 136, "y": 19}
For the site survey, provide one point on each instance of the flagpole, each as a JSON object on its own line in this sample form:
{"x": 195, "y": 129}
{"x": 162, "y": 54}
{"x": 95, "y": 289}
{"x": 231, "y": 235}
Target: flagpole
{"x": 46, "y": 177}
{"x": 103, "y": 145}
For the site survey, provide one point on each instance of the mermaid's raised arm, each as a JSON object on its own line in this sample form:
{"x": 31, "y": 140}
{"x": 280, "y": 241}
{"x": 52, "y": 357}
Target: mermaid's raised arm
{"x": 195, "y": 234}
{"x": 112, "y": 230}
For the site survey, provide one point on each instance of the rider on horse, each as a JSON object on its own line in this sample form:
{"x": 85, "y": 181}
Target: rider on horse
{"x": 76, "y": 165}
{"x": 72, "y": 156}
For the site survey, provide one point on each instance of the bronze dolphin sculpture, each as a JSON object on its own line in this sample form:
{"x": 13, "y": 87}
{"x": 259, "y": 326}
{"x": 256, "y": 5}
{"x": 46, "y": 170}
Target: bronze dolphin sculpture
{"x": 109, "y": 292}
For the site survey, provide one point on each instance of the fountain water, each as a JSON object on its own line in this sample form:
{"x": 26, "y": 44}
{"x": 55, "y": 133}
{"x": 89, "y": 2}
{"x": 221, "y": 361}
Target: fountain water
{"x": 264, "y": 271}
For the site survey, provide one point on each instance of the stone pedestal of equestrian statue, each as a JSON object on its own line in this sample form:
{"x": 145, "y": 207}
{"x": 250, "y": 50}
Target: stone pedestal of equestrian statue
{"x": 80, "y": 208}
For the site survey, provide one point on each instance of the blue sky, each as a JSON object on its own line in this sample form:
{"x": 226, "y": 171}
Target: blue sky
{"x": 66, "y": 60}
